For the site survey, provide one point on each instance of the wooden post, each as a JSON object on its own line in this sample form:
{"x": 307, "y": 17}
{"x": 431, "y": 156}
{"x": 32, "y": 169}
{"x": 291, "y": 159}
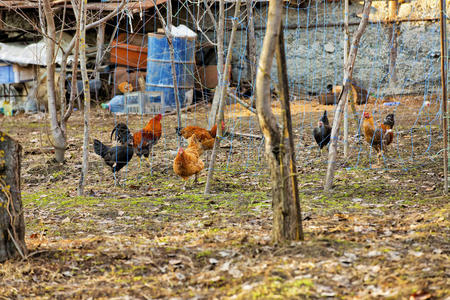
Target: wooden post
{"x": 12, "y": 224}
{"x": 251, "y": 46}
{"x": 100, "y": 47}
{"x": 444, "y": 65}
{"x": 346, "y": 48}
{"x": 223, "y": 87}
{"x": 343, "y": 95}
{"x": 291, "y": 204}
{"x": 286, "y": 214}
{"x": 87, "y": 96}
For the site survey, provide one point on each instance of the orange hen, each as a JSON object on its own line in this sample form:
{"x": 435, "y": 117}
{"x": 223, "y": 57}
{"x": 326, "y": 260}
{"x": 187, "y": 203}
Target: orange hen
{"x": 188, "y": 162}
{"x": 204, "y": 136}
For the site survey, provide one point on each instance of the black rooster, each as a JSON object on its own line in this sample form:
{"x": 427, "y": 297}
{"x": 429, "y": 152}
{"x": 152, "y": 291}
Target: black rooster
{"x": 116, "y": 157}
{"x": 322, "y": 133}
{"x": 124, "y": 136}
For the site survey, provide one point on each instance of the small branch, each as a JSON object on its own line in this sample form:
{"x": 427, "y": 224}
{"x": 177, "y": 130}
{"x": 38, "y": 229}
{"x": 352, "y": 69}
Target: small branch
{"x": 343, "y": 95}
{"x": 74, "y": 88}
{"x": 94, "y": 24}
{"x": 167, "y": 30}
{"x": 87, "y": 97}
{"x": 16, "y": 244}
{"x": 247, "y": 135}
{"x": 223, "y": 87}
{"x": 197, "y": 24}
{"x": 238, "y": 100}
{"x": 220, "y": 65}
{"x": 210, "y": 14}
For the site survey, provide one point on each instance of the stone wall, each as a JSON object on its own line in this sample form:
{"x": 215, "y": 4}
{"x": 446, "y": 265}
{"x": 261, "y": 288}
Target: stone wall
{"x": 315, "y": 54}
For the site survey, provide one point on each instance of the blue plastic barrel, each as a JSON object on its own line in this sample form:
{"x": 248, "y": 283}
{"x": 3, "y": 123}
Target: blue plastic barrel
{"x": 159, "y": 67}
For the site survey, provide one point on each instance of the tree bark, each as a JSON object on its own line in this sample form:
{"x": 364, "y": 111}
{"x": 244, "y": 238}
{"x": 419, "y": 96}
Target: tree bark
{"x": 220, "y": 68}
{"x": 346, "y": 47}
{"x": 251, "y": 46}
{"x": 343, "y": 95}
{"x": 292, "y": 230}
{"x": 100, "y": 48}
{"x": 59, "y": 137}
{"x": 444, "y": 66}
{"x": 87, "y": 97}
{"x": 393, "y": 42}
{"x": 12, "y": 224}
{"x": 74, "y": 79}
{"x": 286, "y": 220}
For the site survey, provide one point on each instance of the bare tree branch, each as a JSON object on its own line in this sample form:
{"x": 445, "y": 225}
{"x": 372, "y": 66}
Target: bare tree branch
{"x": 343, "y": 95}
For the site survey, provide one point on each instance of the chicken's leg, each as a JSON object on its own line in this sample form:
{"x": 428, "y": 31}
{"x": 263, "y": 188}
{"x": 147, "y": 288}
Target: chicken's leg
{"x": 195, "y": 178}
{"x": 206, "y": 158}
{"x": 115, "y": 178}
{"x": 379, "y": 154}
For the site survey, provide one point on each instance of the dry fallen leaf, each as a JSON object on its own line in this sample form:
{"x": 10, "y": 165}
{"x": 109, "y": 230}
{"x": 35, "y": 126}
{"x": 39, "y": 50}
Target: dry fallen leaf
{"x": 420, "y": 295}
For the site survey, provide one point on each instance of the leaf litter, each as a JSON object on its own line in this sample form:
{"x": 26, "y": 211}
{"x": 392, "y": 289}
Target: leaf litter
{"x": 380, "y": 234}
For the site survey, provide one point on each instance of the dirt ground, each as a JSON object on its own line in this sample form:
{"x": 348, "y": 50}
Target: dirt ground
{"x": 383, "y": 232}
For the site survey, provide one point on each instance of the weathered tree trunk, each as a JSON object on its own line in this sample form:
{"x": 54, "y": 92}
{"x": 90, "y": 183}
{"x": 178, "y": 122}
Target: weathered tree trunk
{"x": 444, "y": 66}
{"x": 287, "y": 220}
{"x": 59, "y": 137}
{"x": 74, "y": 80}
{"x": 12, "y": 225}
{"x": 87, "y": 98}
{"x": 100, "y": 48}
{"x": 220, "y": 65}
{"x": 343, "y": 95}
{"x": 394, "y": 30}
{"x": 346, "y": 48}
{"x": 291, "y": 205}
{"x": 251, "y": 46}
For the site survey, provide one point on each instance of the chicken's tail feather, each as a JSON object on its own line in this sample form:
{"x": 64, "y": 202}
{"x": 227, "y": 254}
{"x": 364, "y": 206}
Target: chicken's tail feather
{"x": 324, "y": 118}
{"x": 122, "y": 134}
{"x": 100, "y": 148}
{"x": 179, "y": 129}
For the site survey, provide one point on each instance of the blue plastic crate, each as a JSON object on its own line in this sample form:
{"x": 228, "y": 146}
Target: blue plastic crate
{"x": 6, "y": 74}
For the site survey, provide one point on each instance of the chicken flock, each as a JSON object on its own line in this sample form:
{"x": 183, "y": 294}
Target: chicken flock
{"x": 188, "y": 161}
{"x": 377, "y": 136}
